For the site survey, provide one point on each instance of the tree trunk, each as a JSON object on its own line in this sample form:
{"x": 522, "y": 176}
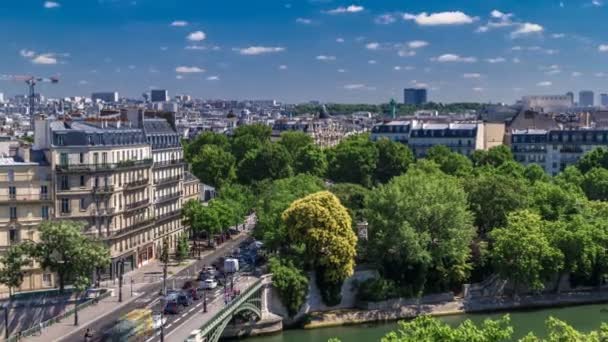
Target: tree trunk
{"x": 61, "y": 282}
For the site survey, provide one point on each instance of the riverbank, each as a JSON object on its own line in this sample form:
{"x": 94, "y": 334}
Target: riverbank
{"x": 456, "y": 307}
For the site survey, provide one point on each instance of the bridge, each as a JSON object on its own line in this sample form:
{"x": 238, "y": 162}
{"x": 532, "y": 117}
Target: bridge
{"x": 209, "y": 327}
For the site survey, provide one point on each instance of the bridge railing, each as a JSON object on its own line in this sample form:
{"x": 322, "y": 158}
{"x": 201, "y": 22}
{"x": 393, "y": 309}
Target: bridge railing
{"x": 208, "y": 326}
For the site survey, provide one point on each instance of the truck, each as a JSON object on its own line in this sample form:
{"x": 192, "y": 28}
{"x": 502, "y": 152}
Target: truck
{"x": 135, "y": 326}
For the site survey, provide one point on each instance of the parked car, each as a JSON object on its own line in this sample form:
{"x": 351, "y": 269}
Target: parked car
{"x": 193, "y": 293}
{"x": 184, "y": 299}
{"x": 209, "y": 284}
{"x": 188, "y": 285}
{"x": 172, "y": 308}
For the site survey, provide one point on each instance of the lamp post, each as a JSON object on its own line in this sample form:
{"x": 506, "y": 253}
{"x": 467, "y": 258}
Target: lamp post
{"x": 121, "y": 265}
{"x": 5, "y": 307}
{"x": 204, "y": 300}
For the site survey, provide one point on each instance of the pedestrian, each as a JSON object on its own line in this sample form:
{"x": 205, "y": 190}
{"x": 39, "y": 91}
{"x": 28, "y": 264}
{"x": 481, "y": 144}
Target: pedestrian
{"x": 88, "y": 335}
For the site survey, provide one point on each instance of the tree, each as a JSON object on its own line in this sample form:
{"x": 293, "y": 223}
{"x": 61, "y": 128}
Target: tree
{"x": 354, "y": 197}
{"x": 554, "y": 202}
{"x": 492, "y": 196}
{"x": 311, "y": 160}
{"x": 323, "y": 225}
{"x": 192, "y": 148}
{"x": 495, "y": 156}
{"x": 522, "y": 252}
{"x": 273, "y": 201}
{"x": 449, "y": 162}
{"x": 353, "y": 160}
{"x": 12, "y": 263}
{"x": 240, "y": 146}
{"x": 535, "y": 173}
{"x": 595, "y": 184}
{"x": 214, "y": 166}
{"x": 164, "y": 253}
{"x": 270, "y": 161}
{"x": 430, "y": 329}
{"x": 259, "y": 131}
{"x": 290, "y": 282}
{"x": 63, "y": 249}
{"x": 593, "y": 159}
{"x": 420, "y": 231}
{"x": 183, "y": 248}
{"x": 570, "y": 178}
{"x": 293, "y": 141}
{"x": 393, "y": 160}
{"x": 559, "y": 331}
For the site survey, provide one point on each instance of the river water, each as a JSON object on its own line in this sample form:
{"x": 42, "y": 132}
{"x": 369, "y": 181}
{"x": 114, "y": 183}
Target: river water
{"x": 584, "y": 318}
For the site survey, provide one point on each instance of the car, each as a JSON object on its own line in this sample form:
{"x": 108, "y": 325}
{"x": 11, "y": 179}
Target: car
{"x": 188, "y": 285}
{"x": 157, "y": 321}
{"x": 209, "y": 284}
{"x": 184, "y": 299}
{"x": 193, "y": 293}
{"x": 172, "y": 308}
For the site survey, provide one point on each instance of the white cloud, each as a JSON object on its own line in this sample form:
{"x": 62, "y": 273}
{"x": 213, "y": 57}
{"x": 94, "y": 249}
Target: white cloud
{"x": 213, "y": 78}
{"x": 51, "y": 4}
{"x": 339, "y": 40}
{"x": 406, "y": 53}
{"x": 341, "y": 71}
{"x": 46, "y": 59}
{"x": 496, "y": 60}
{"x": 197, "y": 36}
{"x": 385, "y": 19}
{"x": 259, "y": 50}
{"x": 452, "y": 58}
{"x": 441, "y": 18}
{"x": 304, "y": 21}
{"x": 27, "y": 53}
{"x": 603, "y": 48}
{"x": 189, "y": 70}
{"x": 417, "y": 84}
{"x": 164, "y": 48}
{"x": 576, "y": 74}
{"x": 349, "y": 9}
{"x": 372, "y": 61}
{"x": 325, "y": 58}
{"x": 478, "y": 89}
{"x": 471, "y": 75}
{"x": 179, "y": 77}
{"x": 544, "y": 84}
{"x": 83, "y": 82}
{"x": 597, "y": 3}
{"x": 358, "y": 86}
{"x": 416, "y": 44}
{"x": 558, "y": 35}
{"x": 372, "y": 46}
{"x": 525, "y": 29}
{"x": 516, "y": 60}
{"x": 179, "y": 23}
{"x": 497, "y": 14}
{"x": 399, "y": 68}
{"x": 600, "y": 74}
{"x": 283, "y": 67}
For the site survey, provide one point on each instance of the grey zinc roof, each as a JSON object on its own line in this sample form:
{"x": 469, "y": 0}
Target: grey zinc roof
{"x": 157, "y": 126}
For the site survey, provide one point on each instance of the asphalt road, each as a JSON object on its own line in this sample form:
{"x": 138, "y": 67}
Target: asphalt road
{"x": 150, "y": 297}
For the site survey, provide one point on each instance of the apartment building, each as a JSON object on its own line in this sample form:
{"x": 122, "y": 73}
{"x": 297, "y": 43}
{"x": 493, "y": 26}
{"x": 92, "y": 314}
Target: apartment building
{"x": 25, "y": 201}
{"x": 420, "y": 136}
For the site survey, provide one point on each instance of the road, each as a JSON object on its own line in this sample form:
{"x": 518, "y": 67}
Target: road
{"x": 150, "y": 297}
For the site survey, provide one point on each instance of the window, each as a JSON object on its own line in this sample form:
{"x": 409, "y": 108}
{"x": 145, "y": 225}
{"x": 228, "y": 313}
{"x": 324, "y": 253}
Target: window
{"x": 11, "y": 175}
{"x": 44, "y": 212}
{"x": 65, "y": 184}
{"x": 65, "y": 205}
{"x": 95, "y": 158}
{"x": 12, "y": 192}
{"x": 104, "y": 158}
{"x": 47, "y": 280}
{"x": 44, "y": 192}
{"x": 82, "y": 180}
{"x": 63, "y": 159}
{"x": 81, "y": 158}
{"x": 13, "y": 236}
{"x": 13, "y": 212}
{"x": 83, "y": 205}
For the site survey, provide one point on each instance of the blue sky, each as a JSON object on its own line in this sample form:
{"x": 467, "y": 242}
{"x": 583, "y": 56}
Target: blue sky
{"x": 300, "y": 50}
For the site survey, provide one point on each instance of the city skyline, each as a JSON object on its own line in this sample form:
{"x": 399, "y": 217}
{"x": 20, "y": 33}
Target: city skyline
{"x": 295, "y": 51}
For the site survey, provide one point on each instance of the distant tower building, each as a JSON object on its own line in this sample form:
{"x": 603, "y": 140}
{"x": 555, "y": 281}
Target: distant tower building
{"x": 1, "y": 97}
{"x": 571, "y": 96}
{"x": 106, "y": 96}
{"x": 393, "y": 105}
{"x": 414, "y": 96}
{"x": 585, "y": 98}
{"x": 604, "y": 100}
{"x": 159, "y": 95}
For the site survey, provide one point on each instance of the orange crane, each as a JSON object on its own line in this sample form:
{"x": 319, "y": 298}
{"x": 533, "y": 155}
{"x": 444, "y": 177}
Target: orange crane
{"x": 31, "y": 82}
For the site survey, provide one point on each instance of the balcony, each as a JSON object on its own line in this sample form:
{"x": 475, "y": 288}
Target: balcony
{"x": 136, "y": 226}
{"x": 104, "y": 167}
{"x": 104, "y": 212}
{"x": 167, "y": 163}
{"x": 137, "y": 205}
{"x": 168, "y": 180}
{"x": 25, "y": 198}
{"x": 170, "y": 197}
{"x": 131, "y": 186}
{"x": 103, "y": 190}
{"x": 169, "y": 215}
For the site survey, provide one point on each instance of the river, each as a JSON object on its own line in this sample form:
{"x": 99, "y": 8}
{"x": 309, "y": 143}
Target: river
{"x": 584, "y": 318}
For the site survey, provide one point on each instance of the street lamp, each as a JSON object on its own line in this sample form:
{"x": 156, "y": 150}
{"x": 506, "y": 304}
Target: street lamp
{"x": 121, "y": 266}
{"x": 204, "y": 300}
{"x": 5, "y": 307}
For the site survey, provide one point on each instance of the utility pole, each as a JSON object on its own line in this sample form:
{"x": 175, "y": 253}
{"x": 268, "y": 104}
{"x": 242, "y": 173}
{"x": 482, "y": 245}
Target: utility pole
{"x": 121, "y": 264}
{"x": 5, "y": 307}
{"x": 204, "y": 300}
{"x": 162, "y": 320}
{"x": 164, "y": 279}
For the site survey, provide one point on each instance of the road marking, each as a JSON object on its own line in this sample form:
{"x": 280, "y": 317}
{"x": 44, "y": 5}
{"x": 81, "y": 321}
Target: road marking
{"x": 189, "y": 311}
{"x": 169, "y": 325}
{"x": 184, "y": 315}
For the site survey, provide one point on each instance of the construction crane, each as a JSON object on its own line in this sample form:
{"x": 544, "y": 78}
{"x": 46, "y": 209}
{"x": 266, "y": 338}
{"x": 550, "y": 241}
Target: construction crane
{"x": 31, "y": 82}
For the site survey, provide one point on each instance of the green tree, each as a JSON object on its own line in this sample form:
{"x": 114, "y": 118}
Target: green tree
{"x": 429, "y": 329}
{"x": 293, "y": 141}
{"x": 63, "y": 249}
{"x": 553, "y": 201}
{"x": 259, "y": 131}
{"x": 570, "y": 178}
{"x": 240, "y": 146}
{"x": 290, "y": 282}
{"x": 535, "y": 173}
{"x": 271, "y": 161}
{"x": 193, "y": 147}
{"x": 323, "y": 225}
{"x": 311, "y": 160}
{"x": 492, "y": 196}
{"x": 354, "y": 197}
{"x": 523, "y": 253}
{"x": 595, "y": 184}
{"x": 12, "y": 263}
{"x": 495, "y": 156}
{"x": 597, "y": 158}
{"x": 353, "y": 160}
{"x": 559, "y": 331}
{"x": 449, "y": 162}
{"x": 393, "y": 160}
{"x": 420, "y": 231}
{"x": 183, "y": 248}
{"x": 214, "y": 166}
